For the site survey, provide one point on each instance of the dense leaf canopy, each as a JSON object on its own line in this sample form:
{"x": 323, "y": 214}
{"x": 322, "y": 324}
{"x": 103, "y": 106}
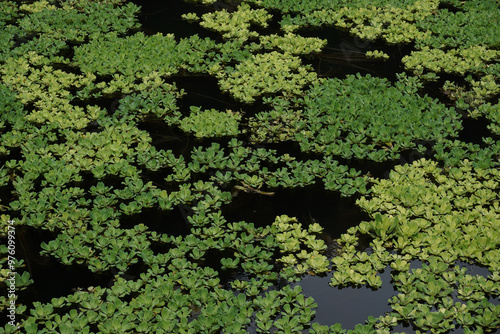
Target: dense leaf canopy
{"x": 107, "y": 154}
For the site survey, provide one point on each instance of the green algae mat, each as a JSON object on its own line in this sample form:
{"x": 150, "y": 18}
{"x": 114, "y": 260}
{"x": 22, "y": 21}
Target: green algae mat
{"x": 109, "y": 169}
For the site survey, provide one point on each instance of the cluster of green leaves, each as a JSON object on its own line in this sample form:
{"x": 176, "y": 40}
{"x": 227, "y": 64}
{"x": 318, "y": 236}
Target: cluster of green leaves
{"x": 467, "y": 32}
{"x": 307, "y": 7}
{"x": 8, "y": 13}
{"x": 82, "y": 168}
{"x": 112, "y": 55}
{"x": 80, "y": 184}
{"x": 461, "y": 42}
{"x": 464, "y": 42}
{"x": 291, "y": 43}
{"x": 158, "y": 100}
{"x": 453, "y": 152}
{"x": 178, "y": 293}
{"x": 236, "y": 25}
{"x": 267, "y": 73}
{"x": 437, "y": 216}
{"x": 78, "y": 4}
{"x": 101, "y": 248}
{"x": 77, "y": 25}
{"x": 108, "y": 55}
{"x": 391, "y": 20}
{"x": 430, "y": 305}
{"x": 152, "y": 303}
{"x": 48, "y": 91}
{"x": 254, "y": 168}
{"x": 211, "y": 123}
{"x": 478, "y": 93}
{"x": 259, "y": 72}
{"x": 195, "y": 304}
{"x": 8, "y": 32}
{"x": 377, "y": 54}
{"x": 360, "y": 117}
{"x": 12, "y": 114}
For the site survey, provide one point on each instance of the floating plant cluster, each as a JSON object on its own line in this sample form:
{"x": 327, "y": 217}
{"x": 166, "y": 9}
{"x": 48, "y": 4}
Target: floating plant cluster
{"x": 80, "y": 83}
{"x": 360, "y": 117}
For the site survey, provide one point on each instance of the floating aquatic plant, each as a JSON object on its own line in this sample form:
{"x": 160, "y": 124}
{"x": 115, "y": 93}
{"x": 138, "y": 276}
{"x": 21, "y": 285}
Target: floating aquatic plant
{"x": 211, "y": 123}
{"x": 235, "y": 24}
{"x": 303, "y": 250}
{"x": 361, "y": 117}
{"x": 75, "y": 92}
{"x": 435, "y": 216}
{"x": 292, "y": 43}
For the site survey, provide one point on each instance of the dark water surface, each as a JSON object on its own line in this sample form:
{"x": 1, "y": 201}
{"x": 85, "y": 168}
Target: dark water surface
{"x": 348, "y": 306}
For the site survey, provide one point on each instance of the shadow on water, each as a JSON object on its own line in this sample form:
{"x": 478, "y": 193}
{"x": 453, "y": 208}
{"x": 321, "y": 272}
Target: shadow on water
{"x": 165, "y": 137}
{"x": 474, "y": 130}
{"x": 52, "y": 279}
{"x": 308, "y": 205}
{"x": 173, "y": 222}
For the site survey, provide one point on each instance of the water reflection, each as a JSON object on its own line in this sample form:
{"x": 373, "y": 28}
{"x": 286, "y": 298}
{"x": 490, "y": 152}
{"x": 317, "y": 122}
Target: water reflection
{"x": 347, "y": 306}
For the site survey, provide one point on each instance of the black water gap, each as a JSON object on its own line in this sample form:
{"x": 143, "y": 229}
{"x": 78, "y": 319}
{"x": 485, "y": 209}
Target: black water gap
{"x": 474, "y": 130}
{"x": 309, "y": 204}
{"x": 173, "y": 222}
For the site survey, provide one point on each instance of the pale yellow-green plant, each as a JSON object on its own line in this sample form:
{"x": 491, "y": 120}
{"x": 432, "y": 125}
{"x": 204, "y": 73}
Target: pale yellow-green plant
{"x": 268, "y": 73}
{"x": 235, "y": 25}
{"x": 377, "y": 54}
{"x": 292, "y": 43}
{"x": 211, "y": 123}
